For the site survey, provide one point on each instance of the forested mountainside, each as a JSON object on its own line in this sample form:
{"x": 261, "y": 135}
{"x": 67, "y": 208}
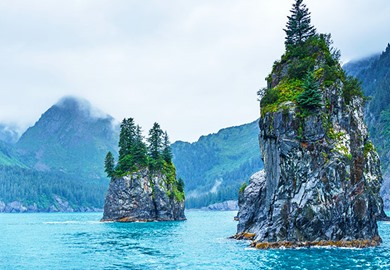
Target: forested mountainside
{"x": 58, "y": 164}
{"x": 215, "y": 166}
{"x": 24, "y": 189}
{"x": 70, "y": 138}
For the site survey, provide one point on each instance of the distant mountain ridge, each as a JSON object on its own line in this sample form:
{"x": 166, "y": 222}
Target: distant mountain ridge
{"x": 356, "y": 67}
{"x": 69, "y": 138}
{"x": 215, "y": 166}
{"x": 58, "y": 164}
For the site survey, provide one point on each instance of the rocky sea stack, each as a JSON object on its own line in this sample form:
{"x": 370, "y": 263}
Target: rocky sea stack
{"x": 140, "y": 196}
{"x": 321, "y": 179}
{"x": 143, "y": 184}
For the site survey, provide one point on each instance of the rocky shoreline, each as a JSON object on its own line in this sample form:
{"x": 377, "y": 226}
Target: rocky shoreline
{"x": 230, "y": 205}
{"x": 60, "y": 205}
{"x": 358, "y": 243}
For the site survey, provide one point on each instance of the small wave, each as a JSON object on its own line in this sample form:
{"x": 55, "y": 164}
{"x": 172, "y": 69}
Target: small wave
{"x": 71, "y": 222}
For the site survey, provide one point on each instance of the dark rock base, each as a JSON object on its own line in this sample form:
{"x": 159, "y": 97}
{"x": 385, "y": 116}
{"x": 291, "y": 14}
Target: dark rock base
{"x": 359, "y": 243}
{"x": 132, "y": 219}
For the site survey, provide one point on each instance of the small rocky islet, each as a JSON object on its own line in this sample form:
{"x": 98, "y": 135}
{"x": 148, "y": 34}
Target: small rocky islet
{"x": 143, "y": 184}
{"x": 321, "y": 179}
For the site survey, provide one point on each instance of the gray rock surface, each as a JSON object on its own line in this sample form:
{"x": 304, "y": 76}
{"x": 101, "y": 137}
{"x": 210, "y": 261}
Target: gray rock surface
{"x": 141, "y": 196}
{"x": 321, "y": 177}
{"x": 230, "y": 205}
{"x": 385, "y": 189}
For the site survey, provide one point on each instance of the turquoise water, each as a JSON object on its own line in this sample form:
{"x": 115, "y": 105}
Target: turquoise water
{"x": 80, "y": 241}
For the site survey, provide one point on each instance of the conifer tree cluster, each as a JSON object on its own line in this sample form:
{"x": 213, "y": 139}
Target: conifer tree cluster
{"x": 135, "y": 154}
{"x": 309, "y": 66}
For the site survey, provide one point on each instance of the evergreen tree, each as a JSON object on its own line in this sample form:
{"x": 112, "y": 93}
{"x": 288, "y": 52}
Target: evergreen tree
{"x": 311, "y": 97}
{"x": 109, "y": 164}
{"x": 166, "y": 152}
{"x": 126, "y": 137}
{"x": 155, "y": 141}
{"x": 139, "y": 150}
{"x": 298, "y": 25}
{"x": 180, "y": 185}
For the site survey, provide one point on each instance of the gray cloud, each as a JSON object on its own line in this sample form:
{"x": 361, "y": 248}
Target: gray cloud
{"x": 192, "y": 66}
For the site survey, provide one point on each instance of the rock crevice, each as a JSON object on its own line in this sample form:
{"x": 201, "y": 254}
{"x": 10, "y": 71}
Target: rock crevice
{"x": 315, "y": 186}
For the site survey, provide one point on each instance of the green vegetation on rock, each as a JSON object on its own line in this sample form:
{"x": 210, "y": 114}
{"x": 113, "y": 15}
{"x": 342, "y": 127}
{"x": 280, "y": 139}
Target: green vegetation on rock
{"x": 135, "y": 154}
{"x": 309, "y": 65}
{"x": 243, "y": 187}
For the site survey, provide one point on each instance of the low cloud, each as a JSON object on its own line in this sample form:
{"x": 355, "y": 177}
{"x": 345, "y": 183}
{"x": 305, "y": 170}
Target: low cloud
{"x": 192, "y": 66}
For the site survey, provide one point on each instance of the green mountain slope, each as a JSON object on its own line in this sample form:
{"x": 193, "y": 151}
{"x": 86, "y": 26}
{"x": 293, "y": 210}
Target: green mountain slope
{"x": 8, "y": 157}
{"x": 69, "y": 138}
{"x": 215, "y": 166}
{"x": 58, "y": 164}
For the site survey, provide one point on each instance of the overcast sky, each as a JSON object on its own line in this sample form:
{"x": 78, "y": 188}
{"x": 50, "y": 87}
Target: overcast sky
{"x": 193, "y": 66}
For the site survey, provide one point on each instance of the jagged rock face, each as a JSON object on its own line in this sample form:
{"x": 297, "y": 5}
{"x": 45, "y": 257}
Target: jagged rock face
{"x": 141, "y": 197}
{"x": 230, "y": 205}
{"x": 321, "y": 176}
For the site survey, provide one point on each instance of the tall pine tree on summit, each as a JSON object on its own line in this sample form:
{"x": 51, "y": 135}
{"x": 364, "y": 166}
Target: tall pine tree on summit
{"x": 298, "y": 25}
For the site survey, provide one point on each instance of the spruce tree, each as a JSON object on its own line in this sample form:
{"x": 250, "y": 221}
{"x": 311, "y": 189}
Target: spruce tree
{"x": 126, "y": 137}
{"x": 109, "y": 164}
{"x": 298, "y": 25}
{"x": 126, "y": 144}
{"x": 311, "y": 97}
{"x": 180, "y": 185}
{"x": 139, "y": 150}
{"x": 155, "y": 142}
{"x": 166, "y": 152}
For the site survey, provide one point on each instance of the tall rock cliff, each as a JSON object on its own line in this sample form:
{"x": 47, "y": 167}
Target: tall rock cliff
{"x": 141, "y": 196}
{"x": 321, "y": 178}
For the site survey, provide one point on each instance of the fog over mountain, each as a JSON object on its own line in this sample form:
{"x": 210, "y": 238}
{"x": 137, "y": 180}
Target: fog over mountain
{"x": 192, "y": 66}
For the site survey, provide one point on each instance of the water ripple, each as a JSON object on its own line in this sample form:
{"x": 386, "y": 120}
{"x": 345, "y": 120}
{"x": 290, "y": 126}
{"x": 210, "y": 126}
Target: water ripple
{"x": 80, "y": 241}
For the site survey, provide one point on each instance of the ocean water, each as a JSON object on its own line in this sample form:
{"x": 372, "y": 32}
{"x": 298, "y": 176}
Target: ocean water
{"x": 80, "y": 241}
